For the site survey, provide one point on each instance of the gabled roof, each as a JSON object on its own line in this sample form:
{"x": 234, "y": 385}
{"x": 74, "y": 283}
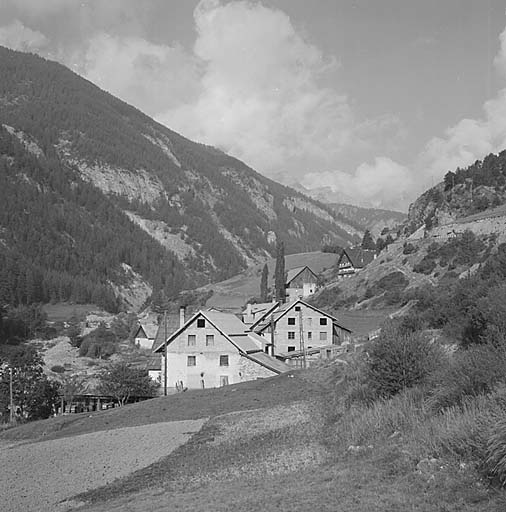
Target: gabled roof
{"x": 294, "y": 272}
{"x": 358, "y": 257}
{"x": 268, "y": 311}
{"x": 150, "y": 330}
{"x": 172, "y": 325}
{"x": 258, "y": 307}
{"x": 248, "y": 343}
{"x": 285, "y": 308}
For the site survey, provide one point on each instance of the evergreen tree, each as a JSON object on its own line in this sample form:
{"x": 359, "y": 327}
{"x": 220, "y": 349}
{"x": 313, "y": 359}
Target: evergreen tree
{"x": 279, "y": 273}
{"x": 264, "y": 290}
{"x": 367, "y": 241}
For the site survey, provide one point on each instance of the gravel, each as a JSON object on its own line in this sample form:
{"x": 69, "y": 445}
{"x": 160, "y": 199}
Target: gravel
{"x": 35, "y": 477}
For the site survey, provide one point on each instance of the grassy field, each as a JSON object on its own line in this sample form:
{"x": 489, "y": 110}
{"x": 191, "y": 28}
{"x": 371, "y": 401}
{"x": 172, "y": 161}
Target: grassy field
{"x": 193, "y": 404}
{"x": 284, "y": 444}
{"x": 234, "y": 292}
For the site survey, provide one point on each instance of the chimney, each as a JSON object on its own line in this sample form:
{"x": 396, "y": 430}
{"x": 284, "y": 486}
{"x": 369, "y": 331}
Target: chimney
{"x": 182, "y": 311}
{"x": 248, "y": 309}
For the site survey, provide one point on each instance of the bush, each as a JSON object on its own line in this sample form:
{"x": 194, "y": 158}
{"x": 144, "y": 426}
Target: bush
{"x": 494, "y": 464}
{"x": 470, "y": 372}
{"x": 425, "y": 266}
{"x": 58, "y": 369}
{"x": 399, "y": 360}
{"x": 409, "y": 248}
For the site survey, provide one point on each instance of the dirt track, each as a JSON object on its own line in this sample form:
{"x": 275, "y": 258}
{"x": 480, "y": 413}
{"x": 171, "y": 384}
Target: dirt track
{"x": 35, "y": 477}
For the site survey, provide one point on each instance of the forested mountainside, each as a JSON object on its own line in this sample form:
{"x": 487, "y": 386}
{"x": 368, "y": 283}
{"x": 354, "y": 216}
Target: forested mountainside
{"x": 372, "y": 219}
{"x": 94, "y": 192}
{"x": 464, "y": 192}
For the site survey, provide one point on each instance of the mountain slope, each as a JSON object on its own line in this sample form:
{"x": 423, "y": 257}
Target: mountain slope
{"x": 206, "y": 215}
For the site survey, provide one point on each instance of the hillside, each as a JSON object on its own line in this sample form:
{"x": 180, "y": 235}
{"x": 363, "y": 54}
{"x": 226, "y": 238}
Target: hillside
{"x": 452, "y": 229}
{"x": 373, "y": 219}
{"x": 99, "y": 201}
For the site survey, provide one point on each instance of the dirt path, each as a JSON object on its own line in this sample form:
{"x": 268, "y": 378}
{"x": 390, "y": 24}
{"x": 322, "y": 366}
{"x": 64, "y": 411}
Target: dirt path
{"x": 35, "y": 477}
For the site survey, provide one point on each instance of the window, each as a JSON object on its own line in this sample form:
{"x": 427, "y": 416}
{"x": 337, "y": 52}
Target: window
{"x": 223, "y": 380}
{"x": 191, "y": 361}
{"x": 201, "y": 322}
{"x": 291, "y": 321}
{"x": 323, "y": 321}
{"x": 323, "y": 336}
{"x": 291, "y": 335}
{"x": 223, "y": 360}
{"x": 291, "y": 349}
{"x": 297, "y": 308}
{"x": 210, "y": 340}
{"x": 309, "y": 335}
{"x": 192, "y": 340}
{"x": 309, "y": 321}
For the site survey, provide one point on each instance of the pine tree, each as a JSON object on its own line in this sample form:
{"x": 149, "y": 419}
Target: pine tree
{"x": 264, "y": 290}
{"x": 279, "y": 273}
{"x": 367, "y": 241}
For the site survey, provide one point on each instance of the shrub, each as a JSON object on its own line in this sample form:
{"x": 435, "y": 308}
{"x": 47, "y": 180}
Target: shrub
{"x": 494, "y": 463}
{"x": 399, "y": 360}
{"x": 409, "y": 248}
{"x": 58, "y": 369}
{"x": 470, "y": 372}
{"x": 425, "y": 266}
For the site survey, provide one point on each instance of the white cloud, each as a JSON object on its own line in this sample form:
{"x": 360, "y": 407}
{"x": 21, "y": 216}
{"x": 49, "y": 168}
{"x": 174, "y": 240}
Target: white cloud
{"x": 147, "y": 75}
{"x": 383, "y": 183}
{"x": 19, "y": 37}
{"x": 260, "y": 99}
{"x": 470, "y": 139}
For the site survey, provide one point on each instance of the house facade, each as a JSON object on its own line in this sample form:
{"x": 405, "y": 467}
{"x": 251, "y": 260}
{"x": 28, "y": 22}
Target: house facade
{"x": 145, "y": 336}
{"x": 301, "y": 282}
{"x": 214, "y": 349}
{"x": 352, "y": 260}
{"x": 300, "y": 327}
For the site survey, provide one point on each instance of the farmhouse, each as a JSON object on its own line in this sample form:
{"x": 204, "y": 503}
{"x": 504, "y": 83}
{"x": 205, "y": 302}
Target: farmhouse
{"x": 145, "y": 335}
{"x": 353, "y": 260}
{"x": 301, "y": 282}
{"x": 297, "y": 329}
{"x": 214, "y": 349}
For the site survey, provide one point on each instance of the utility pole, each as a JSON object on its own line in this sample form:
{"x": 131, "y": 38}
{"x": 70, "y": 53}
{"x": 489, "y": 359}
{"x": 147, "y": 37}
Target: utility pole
{"x": 11, "y": 396}
{"x": 301, "y": 338}
{"x": 272, "y": 335}
{"x": 165, "y": 353}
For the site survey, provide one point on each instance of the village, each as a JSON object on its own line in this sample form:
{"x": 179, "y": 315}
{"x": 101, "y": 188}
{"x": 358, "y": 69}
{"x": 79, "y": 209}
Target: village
{"x": 210, "y": 348}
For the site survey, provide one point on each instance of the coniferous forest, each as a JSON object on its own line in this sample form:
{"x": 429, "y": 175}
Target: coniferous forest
{"x": 65, "y": 236}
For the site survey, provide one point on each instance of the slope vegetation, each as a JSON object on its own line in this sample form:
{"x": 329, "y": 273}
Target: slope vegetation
{"x": 107, "y": 167}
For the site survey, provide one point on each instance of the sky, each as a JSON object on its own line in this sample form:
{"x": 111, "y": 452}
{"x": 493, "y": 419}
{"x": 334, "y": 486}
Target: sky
{"x": 375, "y": 99}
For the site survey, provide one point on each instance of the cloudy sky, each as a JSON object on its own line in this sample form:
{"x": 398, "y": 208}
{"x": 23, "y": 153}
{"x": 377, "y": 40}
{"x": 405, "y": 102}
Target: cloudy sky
{"x": 376, "y": 99}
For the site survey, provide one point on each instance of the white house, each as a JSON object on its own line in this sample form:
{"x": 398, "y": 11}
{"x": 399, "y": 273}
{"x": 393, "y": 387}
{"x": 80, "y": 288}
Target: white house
{"x": 145, "y": 335}
{"x": 214, "y": 349}
{"x": 301, "y": 330}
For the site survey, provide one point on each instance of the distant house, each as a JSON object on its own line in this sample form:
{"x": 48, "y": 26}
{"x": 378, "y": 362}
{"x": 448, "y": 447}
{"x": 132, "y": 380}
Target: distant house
{"x": 353, "y": 260}
{"x": 214, "y": 349}
{"x": 301, "y": 330}
{"x": 256, "y": 312}
{"x": 301, "y": 282}
{"x": 145, "y": 335}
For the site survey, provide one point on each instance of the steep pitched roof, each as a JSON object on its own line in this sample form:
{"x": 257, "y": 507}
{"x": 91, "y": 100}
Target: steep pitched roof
{"x": 267, "y": 312}
{"x": 248, "y": 343}
{"x": 285, "y": 308}
{"x": 358, "y": 257}
{"x": 150, "y": 330}
{"x": 294, "y": 272}
{"x": 172, "y": 325}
